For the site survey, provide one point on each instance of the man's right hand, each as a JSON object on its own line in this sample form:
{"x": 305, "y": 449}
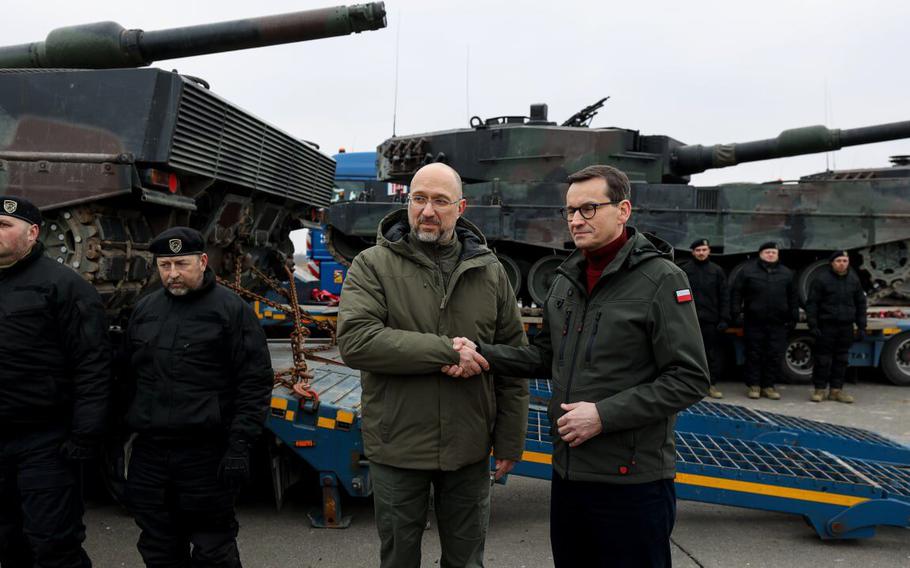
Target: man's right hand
{"x": 470, "y": 361}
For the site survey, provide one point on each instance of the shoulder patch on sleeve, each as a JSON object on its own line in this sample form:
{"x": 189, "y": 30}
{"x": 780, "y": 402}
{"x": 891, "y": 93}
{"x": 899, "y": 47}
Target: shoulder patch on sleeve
{"x": 684, "y": 295}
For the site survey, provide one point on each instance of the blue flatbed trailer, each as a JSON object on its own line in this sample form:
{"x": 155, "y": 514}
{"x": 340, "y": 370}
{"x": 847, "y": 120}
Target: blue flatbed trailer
{"x": 840, "y": 496}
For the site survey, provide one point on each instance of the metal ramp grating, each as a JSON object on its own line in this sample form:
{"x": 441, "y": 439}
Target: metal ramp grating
{"x": 894, "y": 479}
{"x": 538, "y": 427}
{"x": 540, "y": 390}
{"x": 792, "y": 423}
{"x": 803, "y": 466}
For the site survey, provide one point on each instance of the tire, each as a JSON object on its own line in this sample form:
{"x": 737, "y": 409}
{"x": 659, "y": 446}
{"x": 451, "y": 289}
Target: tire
{"x": 895, "y": 360}
{"x": 805, "y": 278}
{"x": 798, "y": 359}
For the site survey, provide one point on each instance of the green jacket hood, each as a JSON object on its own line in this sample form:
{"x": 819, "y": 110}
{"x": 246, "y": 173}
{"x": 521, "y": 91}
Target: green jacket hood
{"x": 394, "y": 231}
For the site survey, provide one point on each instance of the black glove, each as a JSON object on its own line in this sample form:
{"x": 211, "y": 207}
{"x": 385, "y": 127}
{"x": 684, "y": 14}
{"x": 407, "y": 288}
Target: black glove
{"x": 234, "y": 470}
{"x": 77, "y": 448}
{"x": 815, "y": 332}
{"x": 722, "y": 326}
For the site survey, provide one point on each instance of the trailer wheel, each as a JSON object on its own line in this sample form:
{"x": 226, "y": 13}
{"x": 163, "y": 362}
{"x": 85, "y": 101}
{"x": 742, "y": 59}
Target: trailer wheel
{"x": 798, "y": 359}
{"x": 895, "y": 360}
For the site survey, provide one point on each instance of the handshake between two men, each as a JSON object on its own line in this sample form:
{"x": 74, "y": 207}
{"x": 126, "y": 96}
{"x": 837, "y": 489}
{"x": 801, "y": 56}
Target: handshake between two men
{"x": 580, "y": 422}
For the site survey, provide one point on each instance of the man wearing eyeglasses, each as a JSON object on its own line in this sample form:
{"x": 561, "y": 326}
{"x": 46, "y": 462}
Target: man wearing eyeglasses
{"x": 621, "y": 341}
{"x": 431, "y": 278}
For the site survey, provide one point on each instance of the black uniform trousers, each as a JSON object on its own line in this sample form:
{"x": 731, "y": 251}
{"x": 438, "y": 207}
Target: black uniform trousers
{"x": 766, "y": 343}
{"x": 40, "y": 502}
{"x": 831, "y": 354}
{"x": 173, "y": 492}
{"x": 600, "y": 525}
{"x": 711, "y": 338}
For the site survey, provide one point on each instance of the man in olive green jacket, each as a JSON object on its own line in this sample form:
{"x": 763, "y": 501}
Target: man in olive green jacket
{"x": 621, "y": 341}
{"x": 429, "y": 279}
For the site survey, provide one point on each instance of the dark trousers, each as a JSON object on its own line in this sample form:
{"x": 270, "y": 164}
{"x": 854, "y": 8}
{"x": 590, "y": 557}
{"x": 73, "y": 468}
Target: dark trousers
{"x": 462, "y": 502}
{"x": 831, "y": 354}
{"x": 173, "y": 492}
{"x": 40, "y": 503}
{"x": 711, "y": 338}
{"x": 766, "y": 343}
{"x": 600, "y": 525}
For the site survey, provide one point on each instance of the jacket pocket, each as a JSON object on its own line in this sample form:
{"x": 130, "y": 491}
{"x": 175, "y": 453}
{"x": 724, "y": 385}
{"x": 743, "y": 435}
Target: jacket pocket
{"x": 564, "y": 340}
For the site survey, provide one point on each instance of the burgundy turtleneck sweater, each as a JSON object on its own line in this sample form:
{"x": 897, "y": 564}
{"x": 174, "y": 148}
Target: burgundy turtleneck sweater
{"x": 600, "y": 258}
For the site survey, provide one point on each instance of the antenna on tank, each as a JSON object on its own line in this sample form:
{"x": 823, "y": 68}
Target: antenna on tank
{"x": 467, "y": 83}
{"x": 397, "y": 56}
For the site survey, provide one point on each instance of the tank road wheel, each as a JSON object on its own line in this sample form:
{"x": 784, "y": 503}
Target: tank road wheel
{"x": 541, "y": 276}
{"x": 798, "y": 362}
{"x": 344, "y": 247}
{"x": 895, "y": 360}
{"x": 806, "y": 276}
{"x": 108, "y": 248}
{"x": 735, "y": 271}
{"x": 512, "y": 271}
{"x": 888, "y": 265}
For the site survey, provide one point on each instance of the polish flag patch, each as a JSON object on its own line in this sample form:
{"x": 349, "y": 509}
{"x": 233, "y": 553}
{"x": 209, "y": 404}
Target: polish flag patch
{"x": 683, "y": 296}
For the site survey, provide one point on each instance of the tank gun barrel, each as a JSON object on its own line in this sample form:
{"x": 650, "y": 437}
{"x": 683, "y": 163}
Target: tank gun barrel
{"x": 107, "y": 45}
{"x": 695, "y": 158}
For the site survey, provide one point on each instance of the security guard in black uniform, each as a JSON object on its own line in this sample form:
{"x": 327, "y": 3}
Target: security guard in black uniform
{"x": 55, "y": 387}
{"x": 712, "y": 302}
{"x": 203, "y": 377}
{"x": 836, "y": 301}
{"x": 765, "y": 294}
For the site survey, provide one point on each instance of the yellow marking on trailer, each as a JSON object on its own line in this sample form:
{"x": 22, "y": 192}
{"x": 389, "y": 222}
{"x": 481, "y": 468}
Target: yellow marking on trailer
{"x": 740, "y": 486}
{"x": 345, "y": 416}
{"x": 769, "y": 490}
{"x": 279, "y": 316}
{"x": 289, "y": 416}
{"x": 324, "y": 422}
{"x": 256, "y": 309}
{"x": 278, "y": 402}
{"x": 891, "y": 330}
{"x": 536, "y": 457}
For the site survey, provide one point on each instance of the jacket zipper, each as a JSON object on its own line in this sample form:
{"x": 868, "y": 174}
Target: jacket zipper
{"x": 591, "y": 337}
{"x": 584, "y": 311}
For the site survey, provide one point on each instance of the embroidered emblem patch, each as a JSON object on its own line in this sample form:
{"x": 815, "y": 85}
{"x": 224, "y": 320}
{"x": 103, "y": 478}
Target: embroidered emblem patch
{"x": 10, "y": 206}
{"x": 683, "y": 296}
{"x": 175, "y": 245}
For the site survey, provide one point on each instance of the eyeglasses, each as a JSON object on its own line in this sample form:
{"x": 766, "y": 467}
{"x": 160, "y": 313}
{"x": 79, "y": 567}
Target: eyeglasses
{"x": 588, "y": 210}
{"x": 420, "y": 201}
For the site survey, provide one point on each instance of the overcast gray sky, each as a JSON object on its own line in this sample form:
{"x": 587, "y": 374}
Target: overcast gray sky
{"x": 699, "y": 71}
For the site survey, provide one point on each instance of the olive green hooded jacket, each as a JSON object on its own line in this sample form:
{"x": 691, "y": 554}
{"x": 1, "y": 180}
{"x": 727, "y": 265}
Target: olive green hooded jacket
{"x": 396, "y": 322}
{"x": 632, "y": 347}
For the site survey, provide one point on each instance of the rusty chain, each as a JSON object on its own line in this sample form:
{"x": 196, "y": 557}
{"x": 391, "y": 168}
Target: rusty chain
{"x": 297, "y": 378}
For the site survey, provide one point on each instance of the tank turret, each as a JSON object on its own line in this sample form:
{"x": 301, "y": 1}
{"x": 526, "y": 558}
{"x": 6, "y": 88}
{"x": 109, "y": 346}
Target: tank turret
{"x": 107, "y": 45}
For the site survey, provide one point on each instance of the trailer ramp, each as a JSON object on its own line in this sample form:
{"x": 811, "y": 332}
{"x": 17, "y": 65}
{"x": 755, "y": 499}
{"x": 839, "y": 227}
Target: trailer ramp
{"x": 840, "y": 497}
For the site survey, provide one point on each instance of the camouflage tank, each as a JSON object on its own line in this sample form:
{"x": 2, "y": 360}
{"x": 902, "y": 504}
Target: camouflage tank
{"x": 112, "y": 153}
{"x": 514, "y": 169}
